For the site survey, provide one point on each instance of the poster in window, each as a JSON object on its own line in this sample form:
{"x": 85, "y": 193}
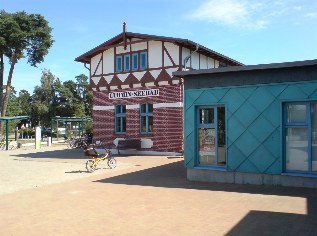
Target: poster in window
{"x": 207, "y": 146}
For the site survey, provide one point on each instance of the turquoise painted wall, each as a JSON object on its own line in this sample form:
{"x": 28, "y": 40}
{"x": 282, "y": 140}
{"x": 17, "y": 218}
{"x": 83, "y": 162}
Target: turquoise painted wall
{"x": 254, "y": 123}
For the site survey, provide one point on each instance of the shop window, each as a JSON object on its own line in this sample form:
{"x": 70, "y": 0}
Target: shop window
{"x": 120, "y": 119}
{"x": 143, "y": 60}
{"x": 135, "y": 61}
{"x": 211, "y": 132}
{"x": 118, "y": 63}
{"x": 127, "y": 62}
{"x": 300, "y": 141}
{"x": 146, "y": 118}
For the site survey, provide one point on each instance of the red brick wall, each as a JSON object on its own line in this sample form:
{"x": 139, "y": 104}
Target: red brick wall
{"x": 167, "y": 133}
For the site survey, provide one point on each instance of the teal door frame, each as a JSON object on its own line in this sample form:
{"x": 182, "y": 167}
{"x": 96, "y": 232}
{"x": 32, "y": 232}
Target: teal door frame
{"x": 213, "y": 125}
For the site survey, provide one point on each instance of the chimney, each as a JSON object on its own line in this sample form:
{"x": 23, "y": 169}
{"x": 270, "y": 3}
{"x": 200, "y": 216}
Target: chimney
{"x": 124, "y": 27}
{"x": 124, "y": 35}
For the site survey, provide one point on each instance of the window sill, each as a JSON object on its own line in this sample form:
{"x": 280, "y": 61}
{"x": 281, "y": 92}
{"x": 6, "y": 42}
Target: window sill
{"x": 309, "y": 175}
{"x": 211, "y": 168}
{"x": 144, "y": 134}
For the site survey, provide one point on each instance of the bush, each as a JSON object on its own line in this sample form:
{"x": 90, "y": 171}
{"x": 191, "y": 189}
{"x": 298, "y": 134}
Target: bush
{"x": 27, "y": 132}
{"x": 88, "y": 128}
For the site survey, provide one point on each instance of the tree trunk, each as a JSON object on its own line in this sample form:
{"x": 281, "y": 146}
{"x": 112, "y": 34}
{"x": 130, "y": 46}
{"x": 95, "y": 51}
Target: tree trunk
{"x": 1, "y": 81}
{"x": 1, "y": 87}
{"x": 8, "y": 87}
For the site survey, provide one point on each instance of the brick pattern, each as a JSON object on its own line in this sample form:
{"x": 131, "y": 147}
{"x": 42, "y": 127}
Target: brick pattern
{"x": 167, "y": 126}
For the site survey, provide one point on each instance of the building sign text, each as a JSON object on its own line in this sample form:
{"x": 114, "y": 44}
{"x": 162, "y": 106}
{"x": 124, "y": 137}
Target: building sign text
{"x": 135, "y": 94}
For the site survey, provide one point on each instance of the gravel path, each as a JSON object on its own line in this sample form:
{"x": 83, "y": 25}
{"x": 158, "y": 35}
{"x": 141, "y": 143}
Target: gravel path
{"x": 30, "y": 168}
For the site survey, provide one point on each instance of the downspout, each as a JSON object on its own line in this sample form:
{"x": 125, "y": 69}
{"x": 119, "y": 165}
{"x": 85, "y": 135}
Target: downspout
{"x": 189, "y": 56}
{"x": 85, "y": 65}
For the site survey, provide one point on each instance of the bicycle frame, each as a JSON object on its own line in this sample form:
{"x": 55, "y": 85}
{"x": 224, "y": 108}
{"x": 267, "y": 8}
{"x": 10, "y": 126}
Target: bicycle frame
{"x": 92, "y": 164}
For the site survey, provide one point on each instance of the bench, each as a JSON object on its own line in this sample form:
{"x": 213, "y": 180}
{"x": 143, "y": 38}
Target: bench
{"x": 129, "y": 144}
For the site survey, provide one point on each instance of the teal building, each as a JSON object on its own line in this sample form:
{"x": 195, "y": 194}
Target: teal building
{"x": 252, "y": 124}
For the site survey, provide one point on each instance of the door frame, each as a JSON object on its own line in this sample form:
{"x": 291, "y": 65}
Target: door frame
{"x": 211, "y": 125}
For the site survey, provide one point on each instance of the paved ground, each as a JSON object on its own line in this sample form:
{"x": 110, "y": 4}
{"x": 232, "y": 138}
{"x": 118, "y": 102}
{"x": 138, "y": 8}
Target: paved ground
{"x": 143, "y": 196}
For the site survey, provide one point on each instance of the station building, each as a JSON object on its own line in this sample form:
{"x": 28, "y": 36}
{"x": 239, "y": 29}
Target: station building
{"x": 252, "y": 124}
{"x": 136, "y": 96}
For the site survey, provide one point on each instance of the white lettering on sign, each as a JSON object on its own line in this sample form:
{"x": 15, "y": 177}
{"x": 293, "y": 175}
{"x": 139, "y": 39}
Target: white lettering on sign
{"x": 135, "y": 94}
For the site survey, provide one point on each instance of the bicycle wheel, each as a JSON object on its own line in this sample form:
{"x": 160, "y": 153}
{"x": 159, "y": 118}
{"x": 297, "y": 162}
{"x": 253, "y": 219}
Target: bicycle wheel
{"x": 69, "y": 144}
{"x": 90, "y": 166}
{"x": 112, "y": 163}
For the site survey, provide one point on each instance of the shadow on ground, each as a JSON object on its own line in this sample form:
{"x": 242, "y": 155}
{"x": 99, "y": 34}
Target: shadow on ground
{"x": 58, "y": 154}
{"x": 255, "y": 222}
{"x": 75, "y": 153}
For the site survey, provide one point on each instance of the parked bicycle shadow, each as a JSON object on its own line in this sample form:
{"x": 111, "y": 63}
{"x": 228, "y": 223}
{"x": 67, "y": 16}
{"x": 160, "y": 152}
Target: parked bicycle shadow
{"x": 76, "y": 172}
{"x": 85, "y": 171}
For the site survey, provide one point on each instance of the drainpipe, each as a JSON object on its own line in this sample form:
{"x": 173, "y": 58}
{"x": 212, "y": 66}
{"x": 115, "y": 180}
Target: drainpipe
{"x": 189, "y": 56}
{"x": 85, "y": 65}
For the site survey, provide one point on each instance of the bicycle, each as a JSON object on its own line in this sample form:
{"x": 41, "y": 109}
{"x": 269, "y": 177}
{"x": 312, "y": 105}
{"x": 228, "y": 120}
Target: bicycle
{"x": 12, "y": 145}
{"x": 91, "y": 165}
{"x": 2, "y": 144}
{"x": 80, "y": 142}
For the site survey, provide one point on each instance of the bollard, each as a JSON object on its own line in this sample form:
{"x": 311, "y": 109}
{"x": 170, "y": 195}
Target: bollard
{"x": 38, "y": 137}
{"x": 49, "y": 141}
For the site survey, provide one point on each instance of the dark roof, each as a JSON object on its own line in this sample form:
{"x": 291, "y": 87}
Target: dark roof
{"x": 85, "y": 58}
{"x": 69, "y": 119}
{"x": 246, "y": 68}
{"x": 14, "y": 118}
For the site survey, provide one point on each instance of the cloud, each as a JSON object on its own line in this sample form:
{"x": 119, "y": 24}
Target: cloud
{"x": 230, "y": 12}
{"x": 243, "y": 14}
{"x": 297, "y": 8}
{"x": 311, "y": 15}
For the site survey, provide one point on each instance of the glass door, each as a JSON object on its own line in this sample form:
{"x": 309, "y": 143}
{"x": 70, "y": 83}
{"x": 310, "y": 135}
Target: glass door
{"x": 211, "y": 136}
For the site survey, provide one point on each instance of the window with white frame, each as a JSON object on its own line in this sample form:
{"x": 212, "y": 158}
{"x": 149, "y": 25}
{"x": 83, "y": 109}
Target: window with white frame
{"x": 127, "y": 62}
{"x": 300, "y": 141}
{"x": 143, "y": 60}
{"x": 119, "y": 63}
{"x": 131, "y": 62}
{"x": 135, "y": 61}
{"x": 120, "y": 119}
{"x": 146, "y": 118}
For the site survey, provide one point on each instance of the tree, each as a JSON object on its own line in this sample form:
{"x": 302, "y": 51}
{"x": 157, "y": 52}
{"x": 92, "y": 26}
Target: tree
{"x": 14, "y": 107}
{"x": 70, "y": 101}
{"x": 25, "y": 100}
{"x": 21, "y": 35}
{"x": 44, "y": 99}
{"x": 85, "y": 93}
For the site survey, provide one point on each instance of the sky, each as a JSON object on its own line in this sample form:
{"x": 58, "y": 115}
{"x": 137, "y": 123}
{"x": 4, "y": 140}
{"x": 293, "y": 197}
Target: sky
{"x": 249, "y": 31}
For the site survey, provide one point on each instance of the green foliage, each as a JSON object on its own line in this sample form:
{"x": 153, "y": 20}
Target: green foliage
{"x": 39, "y": 113}
{"x": 25, "y": 33}
{"x": 29, "y": 35}
{"x": 21, "y": 35}
{"x": 14, "y": 108}
{"x": 26, "y": 132}
{"x": 25, "y": 100}
{"x": 52, "y": 98}
{"x": 88, "y": 127}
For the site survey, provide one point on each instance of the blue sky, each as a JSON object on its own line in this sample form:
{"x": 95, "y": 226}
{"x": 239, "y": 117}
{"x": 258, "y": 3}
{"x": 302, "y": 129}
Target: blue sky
{"x": 249, "y": 31}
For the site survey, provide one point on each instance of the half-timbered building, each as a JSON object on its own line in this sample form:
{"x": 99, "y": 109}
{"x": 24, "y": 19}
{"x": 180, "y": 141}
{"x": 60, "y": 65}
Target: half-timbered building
{"x": 135, "y": 95}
